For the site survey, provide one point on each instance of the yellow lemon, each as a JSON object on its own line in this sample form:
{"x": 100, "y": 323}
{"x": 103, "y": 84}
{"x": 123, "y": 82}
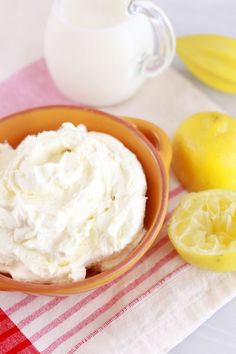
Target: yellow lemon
{"x": 204, "y": 152}
{"x": 203, "y": 229}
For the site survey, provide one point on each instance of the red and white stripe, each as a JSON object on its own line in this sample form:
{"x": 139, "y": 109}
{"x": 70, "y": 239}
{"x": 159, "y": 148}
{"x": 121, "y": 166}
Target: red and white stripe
{"x": 12, "y": 340}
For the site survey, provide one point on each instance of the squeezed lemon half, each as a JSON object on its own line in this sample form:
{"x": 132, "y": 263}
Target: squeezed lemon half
{"x": 203, "y": 229}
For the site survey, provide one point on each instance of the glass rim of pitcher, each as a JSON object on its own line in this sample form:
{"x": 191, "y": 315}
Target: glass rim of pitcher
{"x": 58, "y": 13}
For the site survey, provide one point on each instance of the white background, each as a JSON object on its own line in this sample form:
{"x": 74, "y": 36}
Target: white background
{"x": 22, "y": 24}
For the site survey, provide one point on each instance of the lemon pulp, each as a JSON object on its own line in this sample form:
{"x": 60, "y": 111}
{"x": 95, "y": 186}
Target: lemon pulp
{"x": 203, "y": 229}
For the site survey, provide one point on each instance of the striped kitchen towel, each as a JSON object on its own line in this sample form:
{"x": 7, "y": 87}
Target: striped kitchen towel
{"x": 155, "y": 304}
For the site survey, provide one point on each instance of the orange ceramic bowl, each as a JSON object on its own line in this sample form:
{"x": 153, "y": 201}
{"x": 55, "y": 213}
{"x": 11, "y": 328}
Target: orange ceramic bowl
{"x": 147, "y": 141}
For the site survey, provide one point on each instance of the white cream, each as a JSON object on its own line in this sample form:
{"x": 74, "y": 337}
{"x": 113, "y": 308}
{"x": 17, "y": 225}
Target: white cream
{"x": 68, "y": 199}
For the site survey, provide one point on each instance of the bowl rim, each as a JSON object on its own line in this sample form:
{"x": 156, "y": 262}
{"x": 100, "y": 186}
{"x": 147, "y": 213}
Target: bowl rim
{"x": 149, "y": 237}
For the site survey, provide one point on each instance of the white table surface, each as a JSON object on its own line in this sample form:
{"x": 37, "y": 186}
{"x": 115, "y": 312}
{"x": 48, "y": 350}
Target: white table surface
{"x": 22, "y": 24}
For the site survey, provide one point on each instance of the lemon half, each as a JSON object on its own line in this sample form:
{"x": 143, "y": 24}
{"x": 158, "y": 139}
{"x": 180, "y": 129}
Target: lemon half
{"x": 203, "y": 229}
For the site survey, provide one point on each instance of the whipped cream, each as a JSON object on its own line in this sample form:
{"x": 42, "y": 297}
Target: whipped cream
{"x": 68, "y": 199}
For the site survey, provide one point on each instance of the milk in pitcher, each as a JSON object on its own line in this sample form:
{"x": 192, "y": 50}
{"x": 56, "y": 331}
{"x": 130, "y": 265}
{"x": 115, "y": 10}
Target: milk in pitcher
{"x": 95, "y": 49}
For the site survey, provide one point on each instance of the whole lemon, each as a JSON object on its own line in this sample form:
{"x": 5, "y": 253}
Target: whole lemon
{"x": 204, "y": 152}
